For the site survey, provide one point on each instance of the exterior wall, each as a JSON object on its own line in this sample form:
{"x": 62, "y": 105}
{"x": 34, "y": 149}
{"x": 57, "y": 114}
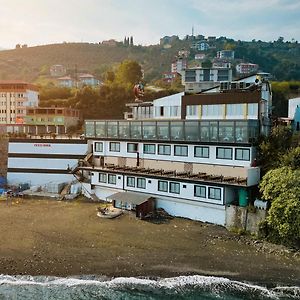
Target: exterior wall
{"x": 183, "y": 159}
{"x": 167, "y": 103}
{"x": 42, "y": 161}
{"x": 293, "y": 103}
{"x": 176, "y": 206}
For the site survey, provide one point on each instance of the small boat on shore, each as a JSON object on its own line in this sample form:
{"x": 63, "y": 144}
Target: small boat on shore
{"x": 109, "y": 213}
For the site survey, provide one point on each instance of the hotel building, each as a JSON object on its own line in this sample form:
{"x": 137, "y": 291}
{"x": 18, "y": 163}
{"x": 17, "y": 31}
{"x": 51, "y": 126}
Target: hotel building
{"x": 193, "y": 154}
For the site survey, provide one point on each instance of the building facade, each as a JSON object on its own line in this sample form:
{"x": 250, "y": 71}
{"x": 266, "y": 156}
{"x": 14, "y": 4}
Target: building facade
{"x": 194, "y": 154}
{"x": 15, "y": 98}
{"x": 199, "y": 79}
{"x": 246, "y": 68}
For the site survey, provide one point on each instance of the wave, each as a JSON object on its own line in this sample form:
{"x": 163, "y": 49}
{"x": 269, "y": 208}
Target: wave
{"x": 95, "y": 287}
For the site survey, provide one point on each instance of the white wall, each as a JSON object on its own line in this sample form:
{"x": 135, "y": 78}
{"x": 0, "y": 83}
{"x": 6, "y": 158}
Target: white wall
{"x": 292, "y": 106}
{"x": 186, "y": 189}
{"x": 38, "y": 147}
{"x": 37, "y": 178}
{"x": 190, "y": 158}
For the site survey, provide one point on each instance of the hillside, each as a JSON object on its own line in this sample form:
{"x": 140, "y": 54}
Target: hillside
{"x": 29, "y": 63}
{"x": 280, "y": 58}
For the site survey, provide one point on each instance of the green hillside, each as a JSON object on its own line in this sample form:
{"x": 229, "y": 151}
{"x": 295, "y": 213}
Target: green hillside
{"x": 282, "y": 59}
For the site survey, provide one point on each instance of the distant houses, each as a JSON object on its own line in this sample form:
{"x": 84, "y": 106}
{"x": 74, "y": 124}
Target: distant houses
{"x": 83, "y": 79}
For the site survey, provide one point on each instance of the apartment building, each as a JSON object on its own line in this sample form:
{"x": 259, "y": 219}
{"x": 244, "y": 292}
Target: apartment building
{"x": 15, "y": 98}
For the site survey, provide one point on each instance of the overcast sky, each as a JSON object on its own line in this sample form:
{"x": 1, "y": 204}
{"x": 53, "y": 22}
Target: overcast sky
{"x": 37, "y": 22}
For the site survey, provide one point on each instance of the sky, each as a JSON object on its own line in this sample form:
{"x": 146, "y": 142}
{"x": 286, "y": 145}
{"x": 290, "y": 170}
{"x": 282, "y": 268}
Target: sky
{"x": 40, "y": 22}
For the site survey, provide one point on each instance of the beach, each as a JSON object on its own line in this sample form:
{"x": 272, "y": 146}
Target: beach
{"x": 57, "y": 238}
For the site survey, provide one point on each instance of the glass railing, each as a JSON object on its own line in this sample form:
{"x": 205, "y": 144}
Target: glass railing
{"x": 230, "y": 131}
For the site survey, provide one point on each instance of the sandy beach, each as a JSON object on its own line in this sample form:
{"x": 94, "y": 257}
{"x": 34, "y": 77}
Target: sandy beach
{"x": 48, "y": 237}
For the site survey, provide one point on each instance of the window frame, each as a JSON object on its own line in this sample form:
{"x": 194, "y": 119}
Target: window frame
{"x": 136, "y": 146}
{"x": 128, "y": 179}
{"x": 98, "y": 144}
{"x": 243, "y": 150}
{"x": 138, "y": 180}
{"x": 181, "y": 147}
{"x": 109, "y": 177}
{"x": 116, "y": 148}
{"x": 172, "y": 184}
{"x": 224, "y": 148}
{"x": 214, "y": 198}
{"x": 103, "y": 174}
{"x": 201, "y": 187}
{"x": 201, "y": 147}
{"x": 164, "y": 146}
{"x": 151, "y": 152}
{"x": 165, "y": 183}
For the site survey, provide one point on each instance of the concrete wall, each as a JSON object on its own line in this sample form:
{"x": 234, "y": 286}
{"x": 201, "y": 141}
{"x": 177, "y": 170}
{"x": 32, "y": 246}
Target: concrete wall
{"x": 240, "y": 218}
{"x": 3, "y": 156}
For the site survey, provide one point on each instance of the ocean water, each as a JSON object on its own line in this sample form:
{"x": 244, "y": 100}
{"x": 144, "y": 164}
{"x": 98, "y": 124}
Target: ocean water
{"x": 131, "y": 288}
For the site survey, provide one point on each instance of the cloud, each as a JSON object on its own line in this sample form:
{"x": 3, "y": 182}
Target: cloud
{"x": 48, "y": 21}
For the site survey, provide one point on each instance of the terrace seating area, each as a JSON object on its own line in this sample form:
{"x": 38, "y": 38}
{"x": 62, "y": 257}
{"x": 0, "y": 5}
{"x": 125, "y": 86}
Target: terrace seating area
{"x": 201, "y": 176}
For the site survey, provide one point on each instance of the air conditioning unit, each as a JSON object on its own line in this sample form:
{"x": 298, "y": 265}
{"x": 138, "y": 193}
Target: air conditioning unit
{"x": 224, "y": 85}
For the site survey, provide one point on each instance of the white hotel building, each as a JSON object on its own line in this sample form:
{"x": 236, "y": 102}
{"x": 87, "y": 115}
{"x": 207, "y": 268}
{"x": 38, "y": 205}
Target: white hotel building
{"x": 193, "y": 154}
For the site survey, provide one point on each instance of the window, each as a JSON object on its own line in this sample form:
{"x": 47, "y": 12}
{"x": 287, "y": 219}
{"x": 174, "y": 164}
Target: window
{"x": 149, "y": 148}
{"x": 253, "y": 110}
{"x": 200, "y": 191}
{"x": 242, "y": 154}
{"x": 102, "y": 177}
{"x": 164, "y": 149}
{"x": 224, "y": 153}
{"x": 141, "y": 183}
{"x": 114, "y": 147}
{"x": 201, "y": 152}
{"x": 131, "y": 181}
{"x": 215, "y": 110}
{"x": 163, "y": 186}
{"x": 192, "y": 110}
{"x": 112, "y": 179}
{"x": 132, "y": 147}
{"x": 214, "y": 193}
{"x": 234, "y": 110}
{"x": 174, "y": 187}
{"x": 181, "y": 150}
{"x": 98, "y": 147}
{"x": 161, "y": 111}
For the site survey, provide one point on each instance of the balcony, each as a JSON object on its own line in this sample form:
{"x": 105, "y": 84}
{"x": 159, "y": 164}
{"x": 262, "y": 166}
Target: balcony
{"x": 225, "y": 131}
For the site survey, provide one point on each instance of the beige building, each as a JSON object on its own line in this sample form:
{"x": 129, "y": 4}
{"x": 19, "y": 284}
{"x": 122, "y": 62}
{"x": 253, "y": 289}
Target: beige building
{"x": 15, "y": 97}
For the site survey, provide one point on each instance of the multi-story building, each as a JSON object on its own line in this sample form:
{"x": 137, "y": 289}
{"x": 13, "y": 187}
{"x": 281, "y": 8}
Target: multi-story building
{"x": 193, "y": 154}
{"x": 198, "y": 79}
{"x": 179, "y": 65}
{"x": 41, "y": 120}
{"x": 201, "y": 45}
{"x": 15, "y": 97}
{"x": 225, "y": 54}
{"x": 246, "y": 68}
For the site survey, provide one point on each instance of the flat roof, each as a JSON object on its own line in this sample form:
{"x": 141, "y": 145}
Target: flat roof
{"x": 131, "y": 197}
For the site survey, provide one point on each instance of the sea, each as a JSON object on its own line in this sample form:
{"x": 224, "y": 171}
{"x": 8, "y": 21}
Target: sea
{"x": 132, "y": 288}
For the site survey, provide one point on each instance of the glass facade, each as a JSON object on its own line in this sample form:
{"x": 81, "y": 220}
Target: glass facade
{"x": 230, "y": 131}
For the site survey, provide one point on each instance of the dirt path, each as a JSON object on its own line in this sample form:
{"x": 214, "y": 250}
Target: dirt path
{"x": 59, "y": 238}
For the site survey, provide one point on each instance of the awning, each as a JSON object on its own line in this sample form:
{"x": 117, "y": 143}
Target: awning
{"x": 130, "y": 197}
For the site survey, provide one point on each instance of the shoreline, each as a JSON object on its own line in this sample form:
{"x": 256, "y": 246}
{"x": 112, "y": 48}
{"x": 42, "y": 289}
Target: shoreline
{"x": 65, "y": 239}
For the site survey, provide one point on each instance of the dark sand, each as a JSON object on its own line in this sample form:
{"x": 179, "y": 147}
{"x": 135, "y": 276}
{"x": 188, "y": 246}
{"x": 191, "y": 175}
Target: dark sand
{"x": 40, "y": 237}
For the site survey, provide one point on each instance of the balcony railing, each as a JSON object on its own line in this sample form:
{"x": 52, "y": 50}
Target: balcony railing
{"x": 229, "y": 131}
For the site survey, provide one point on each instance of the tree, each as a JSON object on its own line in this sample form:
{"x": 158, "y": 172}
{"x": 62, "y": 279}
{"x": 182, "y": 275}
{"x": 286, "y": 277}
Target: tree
{"x": 131, "y": 41}
{"x": 281, "y": 186}
{"x": 128, "y": 73}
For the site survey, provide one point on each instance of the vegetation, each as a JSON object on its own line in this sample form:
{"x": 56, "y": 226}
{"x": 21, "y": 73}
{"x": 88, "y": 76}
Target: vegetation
{"x": 279, "y": 156}
{"x": 281, "y": 186}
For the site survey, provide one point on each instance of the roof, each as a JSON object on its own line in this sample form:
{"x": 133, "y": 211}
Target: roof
{"x": 64, "y": 78}
{"x": 86, "y": 76}
{"x": 131, "y": 197}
